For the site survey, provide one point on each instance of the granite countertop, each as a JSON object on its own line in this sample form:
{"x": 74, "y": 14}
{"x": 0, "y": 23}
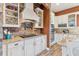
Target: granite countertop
{"x": 67, "y": 40}
{"x": 15, "y": 39}
{"x": 68, "y": 33}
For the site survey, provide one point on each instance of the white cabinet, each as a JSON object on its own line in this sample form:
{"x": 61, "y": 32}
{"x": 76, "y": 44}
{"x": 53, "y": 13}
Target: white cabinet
{"x": 11, "y": 15}
{"x": 1, "y": 20}
{"x": 38, "y": 45}
{"x": 4, "y": 49}
{"x": 72, "y": 20}
{"x": 39, "y": 23}
{"x": 1, "y": 7}
{"x": 15, "y": 49}
{"x": 69, "y": 19}
{"x": 73, "y": 48}
{"x": 44, "y": 42}
{"x": 29, "y": 47}
{"x": 61, "y": 20}
{"x": 35, "y": 45}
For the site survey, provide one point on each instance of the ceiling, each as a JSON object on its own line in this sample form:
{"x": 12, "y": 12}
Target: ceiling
{"x": 55, "y": 7}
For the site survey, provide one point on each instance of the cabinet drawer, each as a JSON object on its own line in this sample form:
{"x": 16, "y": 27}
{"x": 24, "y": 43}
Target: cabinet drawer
{"x": 15, "y": 49}
{"x": 16, "y": 43}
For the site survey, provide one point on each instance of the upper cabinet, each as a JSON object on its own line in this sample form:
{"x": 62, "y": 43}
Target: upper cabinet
{"x": 71, "y": 20}
{"x": 11, "y": 15}
{"x": 61, "y": 21}
{"x": 1, "y": 14}
{"x": 38, "y": 9}
{"x": 1, "y": 7}
{"x": 39, "y": 23}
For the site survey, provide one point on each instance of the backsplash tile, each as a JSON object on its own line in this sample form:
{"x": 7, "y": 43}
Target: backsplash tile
{"x": 12, "y": 29}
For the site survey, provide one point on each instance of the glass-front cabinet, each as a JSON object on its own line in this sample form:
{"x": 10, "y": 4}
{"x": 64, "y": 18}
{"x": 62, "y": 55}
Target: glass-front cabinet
{"x": 11, "y": 15}
{"x": 39, "y": 23}
{"x": 72, "y": 20}
{"x": 1, "y": 14}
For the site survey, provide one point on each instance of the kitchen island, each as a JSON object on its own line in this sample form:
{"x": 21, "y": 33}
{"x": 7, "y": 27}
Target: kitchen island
{"x": 70, "y": 44}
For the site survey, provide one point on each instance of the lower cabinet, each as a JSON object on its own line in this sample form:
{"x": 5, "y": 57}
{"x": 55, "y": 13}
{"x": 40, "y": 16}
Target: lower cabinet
{"x": 44, "y": 42}
{"x": 38, "y": 45}
{"x": 15, "y": 49}
{"x": 4, "y": 49}
{"x": 71, "y": 49}
{"x": 29, "y": 47}
{"x": 35, "y": 45}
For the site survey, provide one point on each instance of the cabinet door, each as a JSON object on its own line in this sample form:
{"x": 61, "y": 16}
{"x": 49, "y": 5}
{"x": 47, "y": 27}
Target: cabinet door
{"x": 44, "y": 42}
{"x": 1, "y": 19}
{"x": 38, "y": 45}
{"x": 1, "y": 14}
{"x": 16, "y": 49}
{"x": 39, "y": 23}
{"x": 74, "y": 48}
{"x": 11, "y": 15}
{"x": 4, "y": 49}
{"x": 29, "y": 47}
{"x": 71, "y": 20}
{"x": 61, "y": 20}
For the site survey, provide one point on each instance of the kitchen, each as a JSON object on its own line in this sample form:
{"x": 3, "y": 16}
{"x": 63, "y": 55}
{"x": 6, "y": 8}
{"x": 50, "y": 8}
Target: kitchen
{"x": 22, "y": 30}
{"x": 66, "y": 33}
{"x": 39, "y": 29}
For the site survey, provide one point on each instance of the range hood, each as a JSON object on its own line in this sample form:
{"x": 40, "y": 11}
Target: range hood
{"x": 28, "y": 13}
